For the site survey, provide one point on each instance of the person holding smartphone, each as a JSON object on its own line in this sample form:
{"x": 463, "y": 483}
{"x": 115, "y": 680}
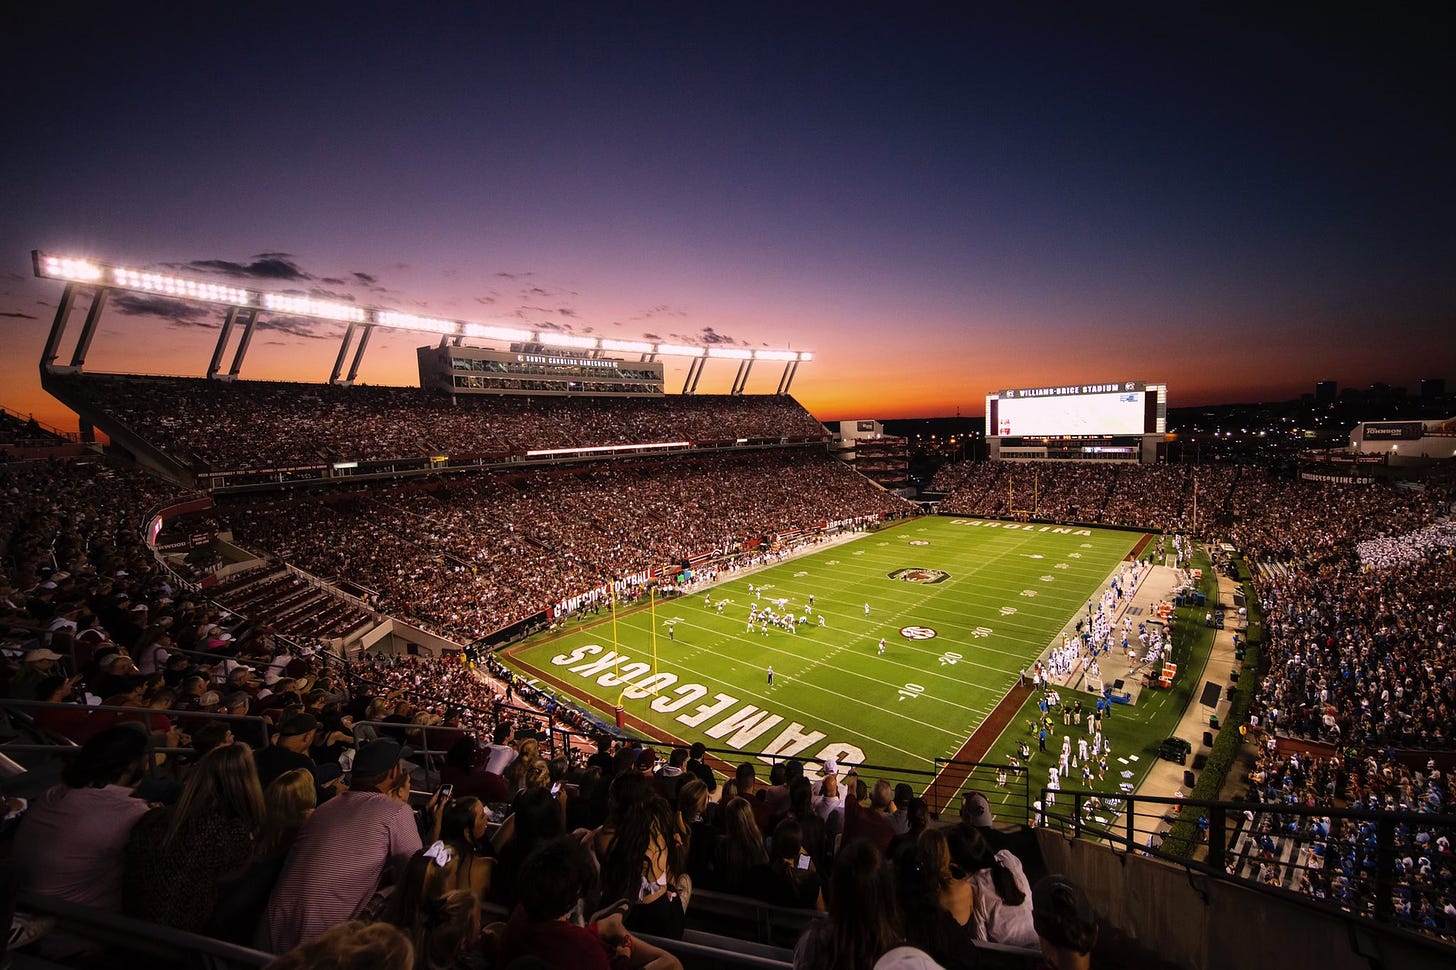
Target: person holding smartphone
{"x": 789, "y": 878}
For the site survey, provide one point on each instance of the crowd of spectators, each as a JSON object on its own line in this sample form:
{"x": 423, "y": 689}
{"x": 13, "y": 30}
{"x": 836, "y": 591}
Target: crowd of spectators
{"x": 240, "y": 425}
{"x": 469, "y": 556}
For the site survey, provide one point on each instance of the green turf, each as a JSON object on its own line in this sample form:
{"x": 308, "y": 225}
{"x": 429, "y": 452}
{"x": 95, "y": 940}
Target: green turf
{"x": 1009, "y": 593}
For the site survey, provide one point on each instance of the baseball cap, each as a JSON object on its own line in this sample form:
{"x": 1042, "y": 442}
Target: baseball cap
{"x": 41, "y": 653}
{"x": 976, "y": 810}
{"x": 906, "y": 958}
{"x": 296, "y": 724}
{"x": 646, "y": 759}
{"x": 1058, "y": 907}
{"x": 378, "y": 756}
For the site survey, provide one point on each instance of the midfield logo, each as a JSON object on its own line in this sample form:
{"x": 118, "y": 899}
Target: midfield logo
{"x": 917, "y": 633}
{"x": 915, "y": 574}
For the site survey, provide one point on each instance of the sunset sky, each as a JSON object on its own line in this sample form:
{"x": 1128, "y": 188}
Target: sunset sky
{"x": 940, "y": 200}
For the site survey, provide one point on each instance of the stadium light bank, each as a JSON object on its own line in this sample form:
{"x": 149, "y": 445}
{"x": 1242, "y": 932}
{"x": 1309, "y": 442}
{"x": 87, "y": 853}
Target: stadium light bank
{"x": 244, "y": 304}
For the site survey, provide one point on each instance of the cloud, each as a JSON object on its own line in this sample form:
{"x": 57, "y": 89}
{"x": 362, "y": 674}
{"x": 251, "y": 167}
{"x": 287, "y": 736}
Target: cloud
{"x": 659, "y": 310}
{"x": 178, "y": 313}
{"x": 711, "y": 337}
{"x": 304, "y": 327}
{"x": 368, "y": 279}
{"x": 514, "y": 276}
{"x": 263, "y": 266}
{"x": 485, "y": 300}
{"x": 17, "y": 315}
{"x": 652, "y": 336}
{"x": 332, "y": 281}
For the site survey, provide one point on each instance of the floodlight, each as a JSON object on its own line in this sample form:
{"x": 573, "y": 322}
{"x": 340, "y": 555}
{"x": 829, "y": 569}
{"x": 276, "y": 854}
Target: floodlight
{"x": 67, "y": 268}
{"x": 409, "y": 321}
{"x": 307, "y": 306}
{"x": 732, "y": 353}
{"x": 679, "y": 350}
{"x": 629, "y": 346}
{"x": 132, "y": 279}
{"x": 775, "y": 355}
{"x": 566, "y": 340}
{"x": 487, "y": 332}
{"x": 805, "y": 355}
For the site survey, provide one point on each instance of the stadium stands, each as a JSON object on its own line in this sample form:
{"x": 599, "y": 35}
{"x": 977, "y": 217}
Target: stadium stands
{"x": 255, "y": 424}
{"x": 1360, "y": 649}
{"x": 467, "y": 557}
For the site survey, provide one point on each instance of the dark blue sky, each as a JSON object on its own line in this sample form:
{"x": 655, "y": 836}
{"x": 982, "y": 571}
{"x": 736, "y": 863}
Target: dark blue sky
{"x": 939, "y": 199}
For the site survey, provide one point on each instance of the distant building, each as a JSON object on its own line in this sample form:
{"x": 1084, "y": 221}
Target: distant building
{"x": 1433, "y": 387}
{"x": 1406, "y": 442}
{"x": 1325, "y": 392}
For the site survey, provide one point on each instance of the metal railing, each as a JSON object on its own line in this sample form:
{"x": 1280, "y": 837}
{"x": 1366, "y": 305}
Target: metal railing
{"x": 254, "y": 726}
{"x": 1350, "y": 862}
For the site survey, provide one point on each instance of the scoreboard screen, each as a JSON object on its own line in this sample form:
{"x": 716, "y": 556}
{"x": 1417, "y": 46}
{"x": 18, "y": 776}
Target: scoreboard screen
{"x": 1077, "y": 410}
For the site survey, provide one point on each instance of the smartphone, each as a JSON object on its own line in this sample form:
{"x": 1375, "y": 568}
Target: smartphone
{"x": 446, "y": 791}
{"x": 556, "y": 788}
{"x": 803, "y": 861}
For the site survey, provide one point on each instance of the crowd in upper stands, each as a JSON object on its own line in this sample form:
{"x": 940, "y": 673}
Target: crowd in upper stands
{"x": 468, "y": 557}
{"x": 240, "y": 425}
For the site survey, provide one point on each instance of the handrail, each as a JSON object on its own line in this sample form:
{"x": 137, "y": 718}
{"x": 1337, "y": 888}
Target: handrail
{"x": 144, "y": 713}
{"x": 120, "y": 933}
{"x": 1375, "y": 882}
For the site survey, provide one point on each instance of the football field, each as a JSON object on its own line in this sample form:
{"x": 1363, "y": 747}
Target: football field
{"x": 961, "y": 605}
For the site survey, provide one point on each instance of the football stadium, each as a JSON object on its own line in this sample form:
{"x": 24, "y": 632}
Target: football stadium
{"x": 293, "y": 661}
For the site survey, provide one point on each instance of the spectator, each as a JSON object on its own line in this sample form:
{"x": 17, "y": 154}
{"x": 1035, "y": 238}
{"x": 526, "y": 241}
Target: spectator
{"x": 872, "y": 823}
{"x": 344, "y": 850}
{"x": 71, "y": 843}
{"x": 536, "y": 820}
{"x": 435, "y": 906}
{"x": 552, "y": 883}
{"x": 636, "y": 865}
{"x": 789, "y": 877}
{"x": 1002, "y": 895}
{"x": 241, "y": 898}
{"x": 937, "y": 901}
{"x": 464, "y": 829}
{"x": 864, "y": 918}
{"x": 741, "y": 849}
{"x": 175, "y": 856}
{"x": 351, "y": 946}
{"x": 295, "y": 737}
{"x": 1066, "y": 927}
{"x": 501, "y": 751}
{"x": 699, "y": 768}
{"x": 465, "y": 771}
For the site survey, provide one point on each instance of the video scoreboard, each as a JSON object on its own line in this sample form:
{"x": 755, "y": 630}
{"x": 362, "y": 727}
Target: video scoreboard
{"x": 1078, "y": 410}
{"x": 1121, "y": 419}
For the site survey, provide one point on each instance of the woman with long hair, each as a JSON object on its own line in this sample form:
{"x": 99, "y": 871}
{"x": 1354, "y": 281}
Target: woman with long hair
{"x": 740, "y": 850}
{"x": 464, "y": 827}
{"x": 637, "y": 867}
{"x": 176, "y": 855}
{"x": 537, "y": 819}
{"x": 435, "y": 907}
{"x": 288, "y": 801}
{"x": 936, "y": 901}
{"x": 1002, "y": 894}
{"x": 864, "y": 920}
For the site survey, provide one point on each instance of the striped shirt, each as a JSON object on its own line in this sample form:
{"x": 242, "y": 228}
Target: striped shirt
{"x": 335, "y": 865}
